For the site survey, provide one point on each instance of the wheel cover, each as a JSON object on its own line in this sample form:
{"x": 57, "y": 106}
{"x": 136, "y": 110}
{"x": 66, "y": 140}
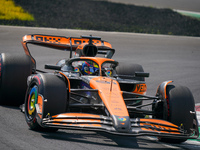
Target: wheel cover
{"x": 32, "y": 100}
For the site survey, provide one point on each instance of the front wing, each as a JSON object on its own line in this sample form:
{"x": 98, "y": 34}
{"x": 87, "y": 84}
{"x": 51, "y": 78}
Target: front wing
{"x": 93, "y": 122}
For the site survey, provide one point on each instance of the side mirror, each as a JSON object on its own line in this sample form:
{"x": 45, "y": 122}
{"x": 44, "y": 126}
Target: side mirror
{"x": 141, "y": 74}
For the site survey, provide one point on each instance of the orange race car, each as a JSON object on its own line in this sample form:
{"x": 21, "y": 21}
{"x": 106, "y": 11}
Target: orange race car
{"x": 88, "y": 92}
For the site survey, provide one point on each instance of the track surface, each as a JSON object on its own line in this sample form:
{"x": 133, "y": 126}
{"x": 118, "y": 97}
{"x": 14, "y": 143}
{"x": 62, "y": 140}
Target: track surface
{"x": 189, "y": 5}
{"x": 165, "y": 57}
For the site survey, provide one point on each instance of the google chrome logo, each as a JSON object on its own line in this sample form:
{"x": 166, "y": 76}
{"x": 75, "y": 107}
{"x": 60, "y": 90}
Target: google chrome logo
{"x": 122, "y": 119}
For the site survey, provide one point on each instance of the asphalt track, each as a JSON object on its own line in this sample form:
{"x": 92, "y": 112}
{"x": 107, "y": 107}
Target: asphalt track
{"x": 187, "y": 5}
{"x": 165, "y": 57}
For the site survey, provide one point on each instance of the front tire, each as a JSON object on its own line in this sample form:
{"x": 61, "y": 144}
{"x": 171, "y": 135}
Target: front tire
{"x": 53, "y": 89}
{"x": 180, "y": 104}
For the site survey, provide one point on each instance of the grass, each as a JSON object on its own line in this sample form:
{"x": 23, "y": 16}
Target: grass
{"x": 9, "y": 11}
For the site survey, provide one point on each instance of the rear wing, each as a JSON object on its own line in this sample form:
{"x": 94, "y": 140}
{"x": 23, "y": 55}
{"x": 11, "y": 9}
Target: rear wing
{"x": 65, "y": 43}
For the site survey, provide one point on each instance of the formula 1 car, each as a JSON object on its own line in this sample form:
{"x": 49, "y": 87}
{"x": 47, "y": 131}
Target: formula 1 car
{"x": 88, "y": 92}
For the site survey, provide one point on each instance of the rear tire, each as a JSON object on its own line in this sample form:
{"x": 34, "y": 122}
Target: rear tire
{"x": 180, "y": 102}
{"x": 129, "y": 69}
{"x": 14, "y": 70}
{"x": 53, "y": 89}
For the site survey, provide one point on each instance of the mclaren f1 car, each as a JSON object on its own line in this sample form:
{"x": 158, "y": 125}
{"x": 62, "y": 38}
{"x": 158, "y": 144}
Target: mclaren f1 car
{"x": 91, "y": 91}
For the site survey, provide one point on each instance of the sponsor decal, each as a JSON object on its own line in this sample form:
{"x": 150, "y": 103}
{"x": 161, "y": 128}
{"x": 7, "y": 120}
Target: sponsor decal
{"x": 80, "y": 41}
{"x": 141, "y": 88}
{"x": 104, "y": 82}
{"x": 76, "y": 69}
{"x": 114, "y": 101}
{"x": 122, "y": 119}
{"x": 83, "y": 41}
{"x": 109, "y": 73}
{"x": 101, "y": 81}
{"x": 118, "y": 109}
{"x": 48, "y": 39}
{"x": 151, "y": 127}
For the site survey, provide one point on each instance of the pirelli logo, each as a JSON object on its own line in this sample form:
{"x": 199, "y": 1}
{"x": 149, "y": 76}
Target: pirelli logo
{"x": 47, "y": 39}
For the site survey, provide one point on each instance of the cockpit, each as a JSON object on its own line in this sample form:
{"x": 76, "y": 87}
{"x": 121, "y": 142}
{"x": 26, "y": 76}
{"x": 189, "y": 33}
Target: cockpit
{"x": 94, "y": 66}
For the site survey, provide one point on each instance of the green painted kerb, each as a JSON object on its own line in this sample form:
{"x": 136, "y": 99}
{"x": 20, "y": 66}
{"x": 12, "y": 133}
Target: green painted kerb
{"x": 198, "y": 139}
{"x": 189, "y": 13}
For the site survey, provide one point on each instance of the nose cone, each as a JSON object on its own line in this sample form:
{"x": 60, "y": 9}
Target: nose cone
{"x": 122, "y": 123}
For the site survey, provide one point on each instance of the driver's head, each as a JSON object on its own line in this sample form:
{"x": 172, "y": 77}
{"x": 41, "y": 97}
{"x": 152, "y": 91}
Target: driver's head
{"x": 89, "y": 68}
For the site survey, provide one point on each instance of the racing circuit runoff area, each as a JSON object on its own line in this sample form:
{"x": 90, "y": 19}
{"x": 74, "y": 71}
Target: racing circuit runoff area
{"x": 164, "y": 57}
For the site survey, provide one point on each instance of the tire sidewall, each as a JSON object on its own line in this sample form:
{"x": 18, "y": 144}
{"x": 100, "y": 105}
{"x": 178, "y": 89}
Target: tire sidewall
{"x": 14, "y": 70}
{"x": 53, "y": 89}
{"x": 179, "y": 103}
{"x": 32, "y": 122}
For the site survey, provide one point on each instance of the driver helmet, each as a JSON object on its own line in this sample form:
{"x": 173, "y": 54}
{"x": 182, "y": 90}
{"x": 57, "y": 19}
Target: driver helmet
{"x": 89, "y": 68}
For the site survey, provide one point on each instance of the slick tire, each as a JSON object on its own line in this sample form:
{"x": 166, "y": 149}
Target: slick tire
{"x": 14, "y": 70}
{"x": 180, "y": 103}
{"x": 129, "y": 69}
{"x": 54, "y": 91}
